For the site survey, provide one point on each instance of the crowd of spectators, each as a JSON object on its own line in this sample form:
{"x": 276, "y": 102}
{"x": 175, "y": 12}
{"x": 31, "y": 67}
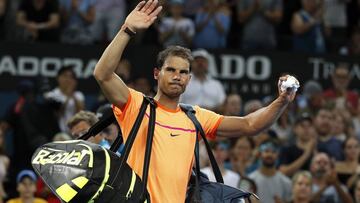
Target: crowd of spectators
{"x": 311, "y": 154}
{"x": 310, "y": 26}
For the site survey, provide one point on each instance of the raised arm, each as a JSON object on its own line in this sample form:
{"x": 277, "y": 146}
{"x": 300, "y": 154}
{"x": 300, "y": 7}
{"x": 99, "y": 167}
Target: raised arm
{"x": 111, "y": 84}
{"x": 257, "y": 121}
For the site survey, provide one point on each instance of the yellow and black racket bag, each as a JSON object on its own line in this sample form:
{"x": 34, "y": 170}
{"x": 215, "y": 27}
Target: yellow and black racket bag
{"x": 78, "y": 171}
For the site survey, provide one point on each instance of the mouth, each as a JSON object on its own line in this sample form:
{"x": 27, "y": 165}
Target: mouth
{"x": 175, "y": 84}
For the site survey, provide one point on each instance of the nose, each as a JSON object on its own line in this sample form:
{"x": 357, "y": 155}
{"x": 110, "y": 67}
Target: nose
{"x": 176, "y": 76}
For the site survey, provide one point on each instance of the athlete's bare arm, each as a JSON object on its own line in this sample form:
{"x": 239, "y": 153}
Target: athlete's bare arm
{"x": 112, "y": 86}
{"x": 257, "y": 121}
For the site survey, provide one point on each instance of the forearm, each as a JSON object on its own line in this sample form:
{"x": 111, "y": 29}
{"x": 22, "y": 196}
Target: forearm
{"x": 290, "y": 169}
{"x": 53, "y": 22}
{"x": 88, "y": 16}
{"x": 79, "y": 105}
{"x": 316, "y": 197}
{"x": 303, "y": 27}
{"x": 263, "y": 118}
{"x": 111, "y": 57}
{"x": 273, "y": 16}
{"x": 21, "y": 19}
{"x": 218, "y": 26}
{"x": 201, "y": 26}
{"x": 344, "y": 196}
{"x": 111, "y": 84}
{"x": 351, "y": 181}
{"x": 245, "y": 14}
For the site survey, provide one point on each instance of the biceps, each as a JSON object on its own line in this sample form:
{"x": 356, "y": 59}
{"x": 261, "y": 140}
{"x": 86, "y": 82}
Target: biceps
{"x": 233, "y": 126}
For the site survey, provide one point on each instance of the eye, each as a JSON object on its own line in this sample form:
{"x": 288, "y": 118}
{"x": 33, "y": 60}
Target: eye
{"x": 184, "y": 72}
{"x": 170, "y": 69}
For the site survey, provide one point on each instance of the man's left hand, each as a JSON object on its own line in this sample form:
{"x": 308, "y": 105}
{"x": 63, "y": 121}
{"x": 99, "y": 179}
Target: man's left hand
{"x": 289, "y": 94}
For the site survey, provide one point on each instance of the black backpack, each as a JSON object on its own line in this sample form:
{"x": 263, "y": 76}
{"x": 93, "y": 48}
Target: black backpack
{"x": 200, "y": 189}
{"x": 80, "y": 171}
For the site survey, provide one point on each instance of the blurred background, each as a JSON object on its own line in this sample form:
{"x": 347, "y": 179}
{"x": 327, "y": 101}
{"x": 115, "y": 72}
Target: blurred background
{"x": 49, "y": 48}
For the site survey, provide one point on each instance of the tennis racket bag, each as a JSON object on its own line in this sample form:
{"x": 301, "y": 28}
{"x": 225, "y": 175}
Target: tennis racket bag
{"x": 79, "y": 171}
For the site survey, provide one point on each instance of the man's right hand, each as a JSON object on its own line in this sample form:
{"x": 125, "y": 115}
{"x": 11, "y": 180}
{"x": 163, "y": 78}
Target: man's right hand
{"x": 144, "y": 15}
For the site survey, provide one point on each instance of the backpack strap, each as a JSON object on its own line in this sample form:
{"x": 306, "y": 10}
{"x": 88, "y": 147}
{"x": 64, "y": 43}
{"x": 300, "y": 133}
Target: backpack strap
{"x": 149, "y": 140}
{"x": 104, "y": 122}
{"x": 190, "y": 112}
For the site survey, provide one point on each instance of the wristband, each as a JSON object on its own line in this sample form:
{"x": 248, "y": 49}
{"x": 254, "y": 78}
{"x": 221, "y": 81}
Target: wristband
{"x": 129, "y": 32}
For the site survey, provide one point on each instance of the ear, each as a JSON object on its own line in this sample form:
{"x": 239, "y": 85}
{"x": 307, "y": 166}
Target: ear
{"x": 156, "y": 73}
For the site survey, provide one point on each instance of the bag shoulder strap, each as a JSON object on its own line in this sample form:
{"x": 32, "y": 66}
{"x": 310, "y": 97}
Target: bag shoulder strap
{"x": 104, "y": 122}
{"x": 190, "y": 112}
{"x": 149, "y": 141}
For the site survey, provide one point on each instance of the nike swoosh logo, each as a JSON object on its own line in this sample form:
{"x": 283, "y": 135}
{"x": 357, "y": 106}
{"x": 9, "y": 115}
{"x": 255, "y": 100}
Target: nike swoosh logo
{"x": 174, "y": 135}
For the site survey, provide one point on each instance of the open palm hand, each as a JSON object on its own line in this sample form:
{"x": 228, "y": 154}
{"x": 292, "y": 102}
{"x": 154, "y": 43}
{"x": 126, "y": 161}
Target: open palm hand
{"x": 144, "y": 15}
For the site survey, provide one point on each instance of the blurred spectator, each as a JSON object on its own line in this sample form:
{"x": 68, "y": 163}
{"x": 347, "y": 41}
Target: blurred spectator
{"x": 353, "y": 15}
{"x": 356, "y": 121}
{"x": 272, "y": 185}
{"x": 3, "y": 12}
{"x": 124, "y": 70}
{"x": 311, "y": 98}
{"x": 353, "y": 46}
{"x": 326, "y": 185}
{"x": 110, "y": 15}
{"x": 30, "y": 130}
{"x": 142, "y": 84}
{"x": 327, "y": 142}
{"x": 43, "y": 191}
{"x": 357, "y": 191}
{"x": 285, "y": 33}
{"x": 297, "y": 156}
{"x": 339, "y": 93}
{"x": 176, "y": 29}
{"x": 81, "y": 122}
{"x": 283, "y": 126}
{"x": 40, "y": 19}
{"x": 248, "y": 184}
{"x": 191, "y": 7}
{"x": 349, "y": 169}
{"x": 202, "y": 89}
{"x": 26, "y": 186}
{"x": 301, "y": 187}
{"x": 78, "y": 16}
{"x": 251, "y": 106}
{"x": 61, "y": 136}
{"x": 26, "y": 92}
{"x": 11, "y": 121}
{"x": 65, "y": 93}
{"x": 340, "y": 127}
{"x": 221, "y": 153}
{"x": 232, "y": 105}
{"x": 335, "y": 19}
{"x": 308, "y": 29}
{"x": 111, "y": 132}
{"x": 242, "y": 156}
{"x": 259, "y": 18}
{"x": 4, "y": 166}
{"x": 212, "y": 24}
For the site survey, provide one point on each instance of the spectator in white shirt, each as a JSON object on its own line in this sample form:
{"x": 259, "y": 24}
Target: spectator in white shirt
{"x": 72, "y": 101}
{"x": 202, "y": 89}
{"x": 221, "y": 153}
{"x": 176, "y": 29}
